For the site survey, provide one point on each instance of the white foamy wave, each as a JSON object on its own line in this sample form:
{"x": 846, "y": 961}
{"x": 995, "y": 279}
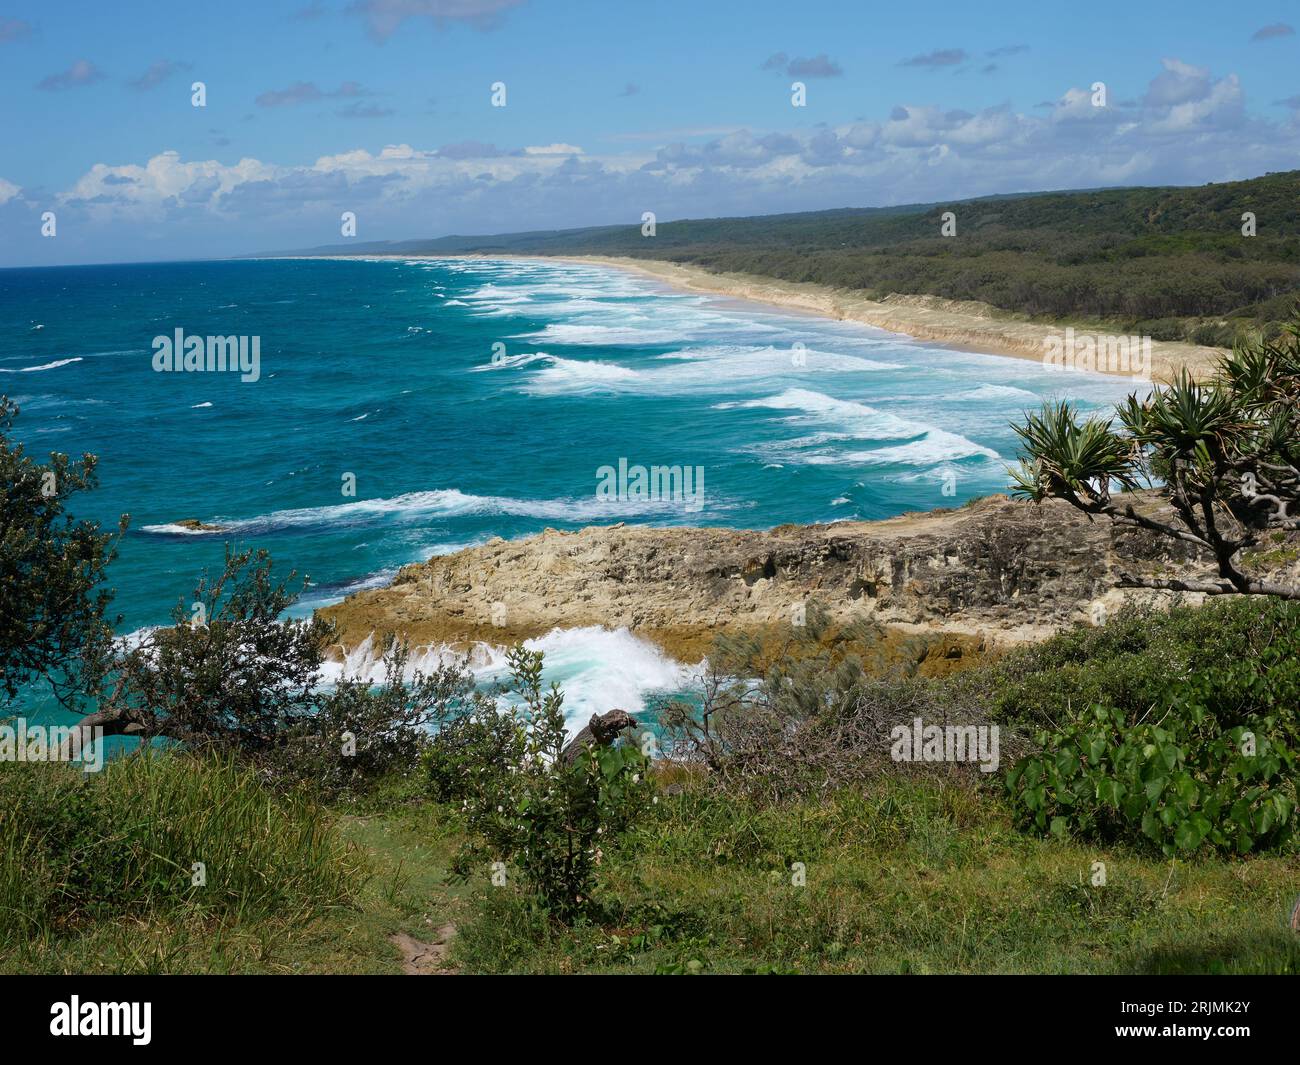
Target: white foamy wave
{"x": 45, "y": 366}
{"x": 770, "y": 357}
{"x": 937, "y": 446}
{"x": 599, "y": 669}
{"x": 200, "y": 406}
{"x": 601, "y": 335}
{"x": 443, "y": 502}
{"x": 509, "y": 362}
{"x": 168, "y": 529}
{"x": 996, "y": 392}
{"x": 861, "y": 422}
{"x": 579, "y": 375}
{"x": 723, "y": 369}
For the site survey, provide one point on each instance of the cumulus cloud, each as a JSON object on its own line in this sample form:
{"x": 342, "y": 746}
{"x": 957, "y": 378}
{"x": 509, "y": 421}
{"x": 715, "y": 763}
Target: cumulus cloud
{"x": 82, "y": 72}
{"x": 8, "y": 191}
{"x": 384, "y": 17}
{"x": 552, "y": 149}
{"x": 943, "y": 57}
{"x": 1277, "y": 29}
{"x": 1179, "y": 83}
{"x": 157, "y": 73}
{"x": 469, "y": 150}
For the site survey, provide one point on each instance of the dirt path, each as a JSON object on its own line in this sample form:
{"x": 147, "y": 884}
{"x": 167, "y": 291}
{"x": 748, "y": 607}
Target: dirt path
{"x": 426, "y": 959}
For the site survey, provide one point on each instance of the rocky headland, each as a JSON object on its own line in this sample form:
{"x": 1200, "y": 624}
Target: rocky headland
{"x": 987, "y": 575}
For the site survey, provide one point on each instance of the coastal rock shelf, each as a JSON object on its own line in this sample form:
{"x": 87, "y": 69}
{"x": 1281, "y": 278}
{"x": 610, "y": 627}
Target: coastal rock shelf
{"x": 994, "y": 572}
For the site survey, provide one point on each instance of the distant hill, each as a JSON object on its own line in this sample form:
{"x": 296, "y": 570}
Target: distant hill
{"x": 1169, "y": 262}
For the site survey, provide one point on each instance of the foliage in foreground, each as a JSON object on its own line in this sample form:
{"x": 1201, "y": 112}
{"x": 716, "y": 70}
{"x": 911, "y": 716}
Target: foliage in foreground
{"x": 527, "y": 806}
{"x": 1168, "y": 729}
{"x": 160, "y": 833}
{"x": 51, "y": 566}
{"x": 900, "y": 876}
{"x": 1211, "y": 759}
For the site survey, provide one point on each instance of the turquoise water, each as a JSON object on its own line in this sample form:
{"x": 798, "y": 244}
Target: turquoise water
{"x": 386, "y": 370}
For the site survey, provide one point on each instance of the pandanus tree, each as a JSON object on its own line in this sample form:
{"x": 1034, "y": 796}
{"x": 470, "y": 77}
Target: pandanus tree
{"x": 1224, "y": 453}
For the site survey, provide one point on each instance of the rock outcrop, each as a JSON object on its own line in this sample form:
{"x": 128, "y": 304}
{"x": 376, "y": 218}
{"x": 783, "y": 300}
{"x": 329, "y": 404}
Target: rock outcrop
{"x": 994, "y": 572}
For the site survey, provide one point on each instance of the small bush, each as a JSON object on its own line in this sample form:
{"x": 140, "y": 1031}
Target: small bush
{"x": 468, "y": 748}
{"x": 549, "y": 818}
{"x": 1133, "y": 661}
{"x": 362, "y": 733}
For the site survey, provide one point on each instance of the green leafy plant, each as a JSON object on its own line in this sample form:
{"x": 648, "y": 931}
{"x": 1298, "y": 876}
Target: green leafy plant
{"x": 1225, "y": 454}
{"x": 1178, "y": 783}
{"x": 547, "y": 817}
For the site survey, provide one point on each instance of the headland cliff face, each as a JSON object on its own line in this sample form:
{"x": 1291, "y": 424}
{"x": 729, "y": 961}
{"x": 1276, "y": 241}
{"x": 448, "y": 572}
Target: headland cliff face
{"x": 989, "y": 574}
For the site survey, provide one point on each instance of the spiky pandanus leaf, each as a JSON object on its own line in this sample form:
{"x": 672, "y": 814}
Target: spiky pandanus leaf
{"x": 1066, "y": 456}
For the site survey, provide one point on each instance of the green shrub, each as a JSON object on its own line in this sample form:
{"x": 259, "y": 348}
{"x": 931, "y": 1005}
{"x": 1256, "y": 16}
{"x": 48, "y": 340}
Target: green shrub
{"x": 1132, "y": 661}
{"x": 549, "y": 818}
{"x": 1143, "y": 728}
{"x": 1178, "y": 784}
{"x": 364, "y": 734}
{"x": 467, "y": 748}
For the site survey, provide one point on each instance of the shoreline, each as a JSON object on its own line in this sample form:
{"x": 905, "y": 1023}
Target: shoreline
{"x": 963, "y": 325}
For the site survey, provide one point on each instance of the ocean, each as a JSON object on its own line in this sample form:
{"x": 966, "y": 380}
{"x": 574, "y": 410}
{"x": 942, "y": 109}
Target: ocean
{"x": 459, "y": 400}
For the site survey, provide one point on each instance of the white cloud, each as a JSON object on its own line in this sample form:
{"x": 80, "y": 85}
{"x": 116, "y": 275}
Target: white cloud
{"x": 1180, "y": 83}
{"x": 1192, "y": 128}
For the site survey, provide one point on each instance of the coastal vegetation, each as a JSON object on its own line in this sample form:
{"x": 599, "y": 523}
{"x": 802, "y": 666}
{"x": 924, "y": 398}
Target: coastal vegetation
{"x": 1225, "y": 454}
{"x": 906, "y": 868}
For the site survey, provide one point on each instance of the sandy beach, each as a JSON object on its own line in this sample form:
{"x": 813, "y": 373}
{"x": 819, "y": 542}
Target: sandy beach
{"x": 968, "y": 325}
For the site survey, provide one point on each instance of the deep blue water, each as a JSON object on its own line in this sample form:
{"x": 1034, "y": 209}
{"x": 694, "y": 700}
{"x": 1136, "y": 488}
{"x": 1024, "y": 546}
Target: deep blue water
{"x": 386, "y": 370}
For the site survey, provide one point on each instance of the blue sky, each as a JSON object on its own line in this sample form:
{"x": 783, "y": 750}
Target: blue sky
{"x": 382, "y": 107}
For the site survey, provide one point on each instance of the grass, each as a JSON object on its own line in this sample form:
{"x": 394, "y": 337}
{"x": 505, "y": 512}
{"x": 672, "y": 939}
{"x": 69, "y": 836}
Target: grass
{"x": 906, "y": 874}
{"x": 906, "y": 878}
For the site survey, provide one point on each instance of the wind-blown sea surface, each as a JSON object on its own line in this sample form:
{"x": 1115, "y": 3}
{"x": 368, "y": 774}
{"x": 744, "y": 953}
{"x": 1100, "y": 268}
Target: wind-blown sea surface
{"x": 480, "y": 398}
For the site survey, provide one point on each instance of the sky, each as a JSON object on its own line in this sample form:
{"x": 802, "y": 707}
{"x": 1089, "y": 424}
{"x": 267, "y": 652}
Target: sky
{"x": 385, "y": 109}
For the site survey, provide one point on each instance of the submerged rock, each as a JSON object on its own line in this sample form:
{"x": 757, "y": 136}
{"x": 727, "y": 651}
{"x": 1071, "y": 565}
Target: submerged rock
{"x": 194, "y": 525}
